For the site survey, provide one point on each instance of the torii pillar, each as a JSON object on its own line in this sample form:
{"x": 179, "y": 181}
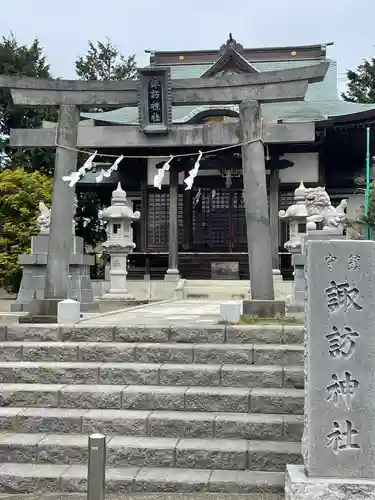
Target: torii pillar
{"x": 60, "y": 249}
{"x": 262, "y": 301}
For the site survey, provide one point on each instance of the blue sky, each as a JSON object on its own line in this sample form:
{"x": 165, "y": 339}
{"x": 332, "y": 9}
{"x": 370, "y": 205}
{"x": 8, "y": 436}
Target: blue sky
{"x": 135, "y": 25}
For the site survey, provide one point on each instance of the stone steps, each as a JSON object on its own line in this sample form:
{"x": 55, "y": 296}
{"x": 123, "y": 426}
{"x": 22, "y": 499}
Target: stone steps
{"x": 138, "y": 451}
{"x": 185, "y": 409}
{"x": 251, "y": 426}
{"x": 165, "y": 374}
{"x": 217, "y": 334}
{"x": 281, "y": 354}
{"x": 151, "y": 397}
{"x": 37, "y": 478}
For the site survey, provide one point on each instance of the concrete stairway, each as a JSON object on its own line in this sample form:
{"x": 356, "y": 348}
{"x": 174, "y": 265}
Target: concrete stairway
{"x": 212, "y": 409}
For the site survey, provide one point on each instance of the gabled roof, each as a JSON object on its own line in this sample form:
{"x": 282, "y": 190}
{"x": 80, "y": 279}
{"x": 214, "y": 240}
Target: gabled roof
{"x": 230, "y": 57}
{"x": 225, "y": 60}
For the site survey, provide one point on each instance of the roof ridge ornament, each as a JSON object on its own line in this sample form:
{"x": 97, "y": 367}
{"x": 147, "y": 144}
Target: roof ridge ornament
{"x": 232, "y": 43}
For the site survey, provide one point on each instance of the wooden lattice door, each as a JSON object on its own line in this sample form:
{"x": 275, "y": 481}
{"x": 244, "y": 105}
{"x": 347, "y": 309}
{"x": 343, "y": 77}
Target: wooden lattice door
{"x": 158, "y": 220}
{"x": 218, "y": 220}
{"x": 238, "y": 221}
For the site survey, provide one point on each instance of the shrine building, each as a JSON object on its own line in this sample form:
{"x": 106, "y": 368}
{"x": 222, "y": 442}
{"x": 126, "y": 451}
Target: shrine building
{"x": 211, "y": 218}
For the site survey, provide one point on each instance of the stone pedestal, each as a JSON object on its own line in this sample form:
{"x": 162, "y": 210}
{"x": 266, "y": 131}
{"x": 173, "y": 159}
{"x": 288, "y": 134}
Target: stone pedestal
{"x": 298, "y": 486}
{"x": 118, "y": 289}
{"x": 172, "y": 275}
{"x": 33, "y": 281}
{"x": 320, "y": 235}
{"x": 40, "y": 311}
{"x": 298, "y": 298}
{"x": 263, "y": 308}
{"x": 277, "y": 276}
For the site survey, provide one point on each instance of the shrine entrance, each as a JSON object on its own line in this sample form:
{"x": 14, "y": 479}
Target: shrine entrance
{"x": 210, "y": 219}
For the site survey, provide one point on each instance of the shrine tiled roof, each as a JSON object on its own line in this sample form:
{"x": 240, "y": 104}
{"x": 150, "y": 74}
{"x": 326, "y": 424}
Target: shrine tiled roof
{"x": 321, "y": 103}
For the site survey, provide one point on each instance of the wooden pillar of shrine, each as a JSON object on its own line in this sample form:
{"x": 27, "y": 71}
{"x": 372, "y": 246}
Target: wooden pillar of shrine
{"x": 187, "y": 217}
{"x": 274, "y": 216}
{"x": 172, "y": 273}
{"x": 144, "y": 216}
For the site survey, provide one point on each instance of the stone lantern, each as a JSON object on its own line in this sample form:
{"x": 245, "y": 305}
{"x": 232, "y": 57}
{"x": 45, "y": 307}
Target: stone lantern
{"x": 296, "y": 215}
{"x": 119, "y": 218}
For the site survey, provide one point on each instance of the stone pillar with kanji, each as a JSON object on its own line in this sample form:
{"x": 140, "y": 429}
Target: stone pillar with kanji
{"x": 338, "y": 444}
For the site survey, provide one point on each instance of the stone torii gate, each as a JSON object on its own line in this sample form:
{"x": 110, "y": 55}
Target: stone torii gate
{"x": 247, "y": 90}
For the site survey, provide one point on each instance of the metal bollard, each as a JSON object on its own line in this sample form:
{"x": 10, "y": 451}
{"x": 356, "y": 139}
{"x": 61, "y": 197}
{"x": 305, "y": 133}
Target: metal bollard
{"x": 96, "y": 467}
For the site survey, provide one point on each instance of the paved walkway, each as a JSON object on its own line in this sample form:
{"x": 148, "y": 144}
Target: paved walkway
{"x": 178, "y": 312}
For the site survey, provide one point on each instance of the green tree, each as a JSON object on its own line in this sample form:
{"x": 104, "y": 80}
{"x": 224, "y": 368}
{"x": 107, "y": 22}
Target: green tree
{"x": 370, "y": 219}
{"x": 20, "y": 194}
{"x": 89, "y": 227}
{"x": 103, "y": 61}
{"x": 361, "y": 83}
{"x": 4, "y": 158}
{"x": 25, "y": 60}
{"x": 361, "y": 89}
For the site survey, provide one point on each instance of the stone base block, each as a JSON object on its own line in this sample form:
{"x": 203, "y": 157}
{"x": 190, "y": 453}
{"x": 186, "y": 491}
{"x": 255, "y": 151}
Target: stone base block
{"x": 178, "y": 294}
{"x": 263, "y": 308}
{"x": 172, "y": 275}
{"x": 68, "y": 312}
{"x": 90, "y": 307}
{"x": 231, "y": 311}
{"x": 34, "y": 275}
{"x": 300, "y": 487}
{"x": 41, "y": 311}
{"x": 277, "y": 276}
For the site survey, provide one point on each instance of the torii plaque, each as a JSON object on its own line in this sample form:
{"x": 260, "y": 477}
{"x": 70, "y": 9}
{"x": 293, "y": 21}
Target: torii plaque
{"x": 247, "y": 90}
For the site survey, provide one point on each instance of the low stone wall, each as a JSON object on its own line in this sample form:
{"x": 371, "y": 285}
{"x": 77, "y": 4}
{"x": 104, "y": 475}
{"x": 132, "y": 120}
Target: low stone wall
{"x": 140, "y": 289}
